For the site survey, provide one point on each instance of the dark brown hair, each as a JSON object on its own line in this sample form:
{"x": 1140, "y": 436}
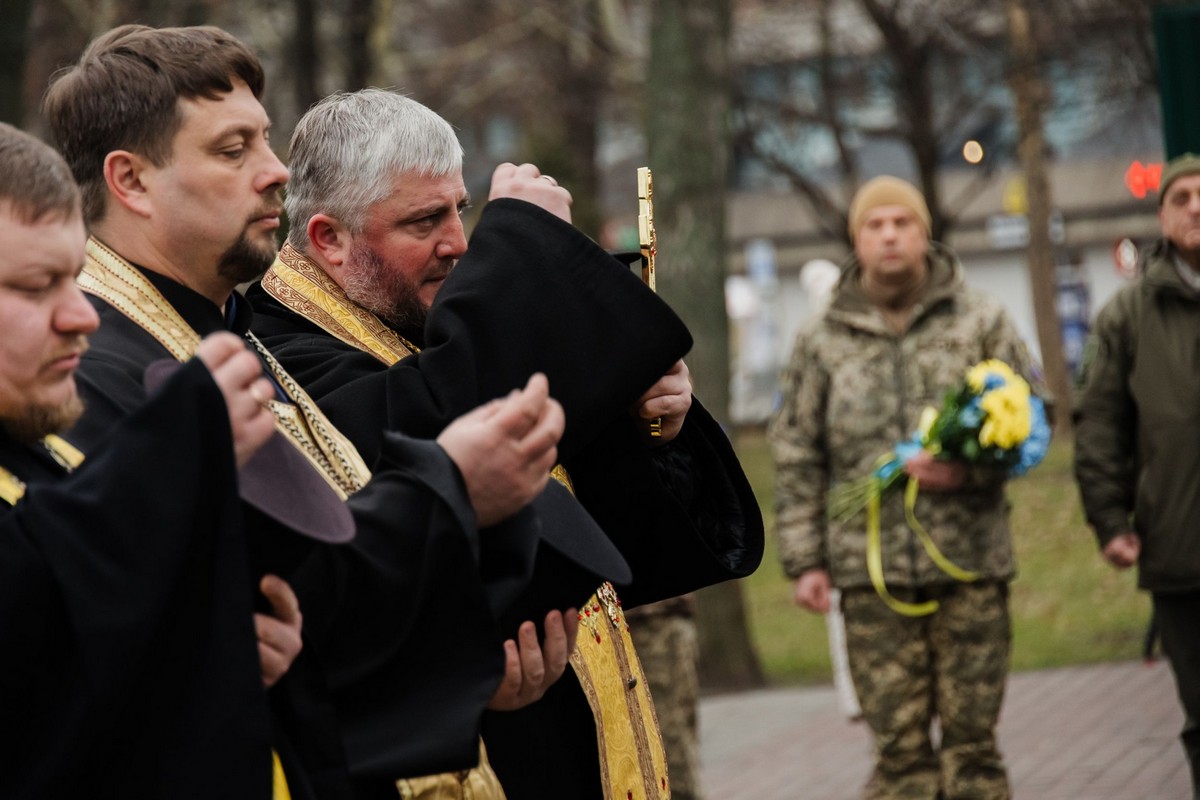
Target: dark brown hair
{"x": 34, "y": 180}
{"x": 124, "y": 92}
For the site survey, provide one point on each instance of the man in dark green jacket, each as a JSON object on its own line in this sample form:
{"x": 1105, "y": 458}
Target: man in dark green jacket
{"x": 1136, "y": 426}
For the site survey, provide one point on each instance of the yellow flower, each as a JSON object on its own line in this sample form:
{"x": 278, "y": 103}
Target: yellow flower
{"x": 977, "y": 375}
{"x": 1008, "y": 417}
{"x": 928, "y": 417}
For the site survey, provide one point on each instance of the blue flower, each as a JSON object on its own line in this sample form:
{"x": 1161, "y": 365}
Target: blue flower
{"x": 1033, "y": 449}
{"x": 993, "y": 381}
{"x": 900, "y": 453}
{"x": 970, "y": 416}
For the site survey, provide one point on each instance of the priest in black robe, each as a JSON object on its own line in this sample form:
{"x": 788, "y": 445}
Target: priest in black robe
{"x": 403, "y": 649}
{"x": 378, "y": 308}
{"x": 128, "y": 659}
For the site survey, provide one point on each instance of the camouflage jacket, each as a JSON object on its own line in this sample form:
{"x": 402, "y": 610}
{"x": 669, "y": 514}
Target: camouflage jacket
{"x": 1136, "y": 424}
{"x": 853, "y": 389}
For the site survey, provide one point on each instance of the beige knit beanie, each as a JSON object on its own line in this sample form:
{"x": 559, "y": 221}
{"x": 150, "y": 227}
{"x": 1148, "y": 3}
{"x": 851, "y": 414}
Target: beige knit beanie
{"x": 887, "y": 191}
{"x": 1186, "y": 164}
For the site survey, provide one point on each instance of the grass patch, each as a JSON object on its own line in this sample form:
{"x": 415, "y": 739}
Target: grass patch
{"x": 1068, "y": 606}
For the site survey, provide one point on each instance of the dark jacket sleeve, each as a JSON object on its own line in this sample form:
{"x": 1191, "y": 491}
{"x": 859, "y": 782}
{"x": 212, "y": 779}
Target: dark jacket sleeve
{"x": 1105, "y": 421}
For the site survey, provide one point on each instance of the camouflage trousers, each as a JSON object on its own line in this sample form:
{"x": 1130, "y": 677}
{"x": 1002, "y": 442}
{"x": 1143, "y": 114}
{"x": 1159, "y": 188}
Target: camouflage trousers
{"x": 950, "y": 667}
{"x": 667, "y": 646}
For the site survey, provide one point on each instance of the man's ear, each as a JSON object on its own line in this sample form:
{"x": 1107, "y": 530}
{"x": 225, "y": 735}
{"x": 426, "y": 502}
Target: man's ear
{"x": 124, "y": 173}
{"x": 329, "y": 241}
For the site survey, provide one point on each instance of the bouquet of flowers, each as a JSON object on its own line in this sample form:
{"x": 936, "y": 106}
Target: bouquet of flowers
{"x": 992, "y": 419}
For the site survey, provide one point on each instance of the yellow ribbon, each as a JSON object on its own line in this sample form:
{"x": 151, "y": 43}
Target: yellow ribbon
{"x": 875, "y": 554}
{"x": 944, "y": 564}
{"x": 279, "y": 782}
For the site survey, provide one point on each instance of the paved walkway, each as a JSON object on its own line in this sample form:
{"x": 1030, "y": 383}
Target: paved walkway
{"x": 1103, "y": 732}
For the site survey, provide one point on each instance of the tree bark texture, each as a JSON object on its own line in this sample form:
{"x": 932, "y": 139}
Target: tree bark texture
{"x": 687, "y": 104}
{"x": 1029, "y": 92}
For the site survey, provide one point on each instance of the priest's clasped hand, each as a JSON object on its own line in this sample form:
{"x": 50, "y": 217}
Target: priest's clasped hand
{"x": 526, "y": 182}
{"x": 529, "y": 668}
{"x": 669, "y": 400}
{"x": 505, "y": 449}
{"x": 278, "y": 633}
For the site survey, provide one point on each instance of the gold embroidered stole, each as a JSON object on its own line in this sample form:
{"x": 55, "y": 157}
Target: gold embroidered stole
{"x": 67, "y": 455}
{"x": 304, "y": 287}
{"x": 109, "y": 277}
{"x": 632, "y": 758}
{"x": 12, "y": 488}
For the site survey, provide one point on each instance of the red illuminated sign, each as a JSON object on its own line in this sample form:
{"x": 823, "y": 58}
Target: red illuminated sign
{"x": 1141, "y": 178}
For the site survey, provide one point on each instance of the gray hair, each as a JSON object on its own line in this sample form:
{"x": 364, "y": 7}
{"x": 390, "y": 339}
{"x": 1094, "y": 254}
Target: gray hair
{"x": 348, "y": 148}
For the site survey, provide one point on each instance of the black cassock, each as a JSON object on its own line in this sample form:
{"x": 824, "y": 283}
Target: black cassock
{"x": 128, "y": 660}
{"x": 533, "y": 294}
{"x": 402, "y": 650}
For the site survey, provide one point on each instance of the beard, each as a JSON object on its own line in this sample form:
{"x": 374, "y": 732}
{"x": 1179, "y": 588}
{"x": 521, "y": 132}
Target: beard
{"x": 38, "y": 420}
{"x": 246, "y": 261}
{"x": 387, "y": 294}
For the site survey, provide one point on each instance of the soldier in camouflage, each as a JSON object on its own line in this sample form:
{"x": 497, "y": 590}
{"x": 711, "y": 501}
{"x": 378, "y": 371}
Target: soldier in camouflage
{"x": 901, "y": 330}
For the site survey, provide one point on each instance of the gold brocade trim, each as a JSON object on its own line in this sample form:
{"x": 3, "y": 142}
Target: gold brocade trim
{"x": 296, "y": 282}
{"x": 12, "y": 488}
{"x": 632, "y": 758}
{"x": 108, "y": 276}
{"x": 478, "y": 783}
{"x": 634, "y": 762}
{"x": 113, "y": 279}
{"x": 307, "y": 426}
{"x": 279, "y": 784}
{"x": 559, "y": 473}
{"x": 66, "y": 454}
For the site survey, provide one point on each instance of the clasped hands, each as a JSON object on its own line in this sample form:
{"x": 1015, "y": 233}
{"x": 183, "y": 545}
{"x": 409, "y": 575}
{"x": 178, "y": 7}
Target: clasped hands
{"x": 504, "y": 449}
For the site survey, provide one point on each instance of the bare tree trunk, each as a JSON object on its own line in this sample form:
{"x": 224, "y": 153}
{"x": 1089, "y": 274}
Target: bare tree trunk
{"x": 360, "y": 18}
{"x": 56, "y": 38}
{"x": 13, "y": 42}
{"x": 687, "y": 100}
{"x": 305, "y": 60}
{"x": 829, "y": 103}
{"x": 1030, "y": 94}
{"x": 565, "y": 139}
{"x": 912, "y": 85}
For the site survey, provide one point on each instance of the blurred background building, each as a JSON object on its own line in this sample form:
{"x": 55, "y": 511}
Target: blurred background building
{"x": 823, "y": 94}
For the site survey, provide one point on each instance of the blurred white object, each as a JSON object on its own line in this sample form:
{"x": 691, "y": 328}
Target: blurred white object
{"x": 843, "y": 685}
{"x": 817, "y": 278}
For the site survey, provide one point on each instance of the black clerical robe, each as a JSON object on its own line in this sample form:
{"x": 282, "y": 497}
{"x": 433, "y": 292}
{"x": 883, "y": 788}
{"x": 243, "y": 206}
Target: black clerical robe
{"x": 402, "y": 651}
{"x": 533, "y": 294}
{"x": 128, "y": 659}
